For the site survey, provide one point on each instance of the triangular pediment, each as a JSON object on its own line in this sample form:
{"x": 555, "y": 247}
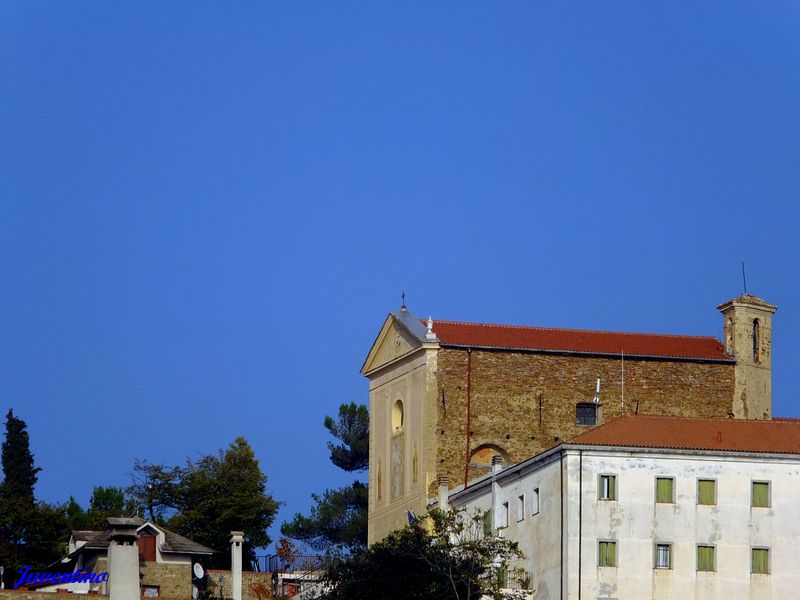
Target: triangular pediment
{"x": 394, "y": 342}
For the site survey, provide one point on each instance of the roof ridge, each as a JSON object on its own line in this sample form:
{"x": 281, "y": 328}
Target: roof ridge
{"x": 598, "y": 331}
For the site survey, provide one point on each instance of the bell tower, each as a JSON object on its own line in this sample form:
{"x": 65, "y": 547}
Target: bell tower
{"x": 748, "y": 338}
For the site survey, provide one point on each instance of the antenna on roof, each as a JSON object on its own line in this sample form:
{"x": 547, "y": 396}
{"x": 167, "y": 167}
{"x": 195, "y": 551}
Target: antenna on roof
{"x": 744, "y": 279}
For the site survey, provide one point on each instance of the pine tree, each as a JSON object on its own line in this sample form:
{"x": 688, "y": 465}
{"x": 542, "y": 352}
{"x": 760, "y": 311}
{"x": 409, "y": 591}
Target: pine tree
{"x": 338, "y": 521}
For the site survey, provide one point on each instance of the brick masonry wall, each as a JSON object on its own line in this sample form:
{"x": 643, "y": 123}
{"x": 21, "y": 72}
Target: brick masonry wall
{"x": 508, "y": 389}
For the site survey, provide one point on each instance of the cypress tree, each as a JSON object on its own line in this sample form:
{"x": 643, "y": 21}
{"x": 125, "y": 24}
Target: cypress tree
{"x": 19, "y": 473}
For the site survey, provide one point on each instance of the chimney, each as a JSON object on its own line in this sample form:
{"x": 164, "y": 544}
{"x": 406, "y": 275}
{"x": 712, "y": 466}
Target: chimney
{"x": 237, "y": 537}
{"x": 497, "y": 463}
{"x": 444, "y": 484}
{"x": 123, "y": 559}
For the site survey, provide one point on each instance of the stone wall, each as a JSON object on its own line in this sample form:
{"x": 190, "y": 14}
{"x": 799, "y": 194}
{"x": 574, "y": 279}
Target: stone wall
{"x": 524, "y": 403}
{"x": 255, "y": 585}
{"x": 174, "y": 579}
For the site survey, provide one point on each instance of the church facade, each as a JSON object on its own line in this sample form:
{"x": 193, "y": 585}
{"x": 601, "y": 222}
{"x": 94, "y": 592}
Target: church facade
{"x": 445, "y": 397}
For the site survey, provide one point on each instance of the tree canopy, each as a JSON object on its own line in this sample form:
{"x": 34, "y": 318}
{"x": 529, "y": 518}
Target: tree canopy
{"x": 447, "y": 558}
{"x": 209, "y": 498}
{"x": 338, "y": 521}
{"x": 352, "y": 430}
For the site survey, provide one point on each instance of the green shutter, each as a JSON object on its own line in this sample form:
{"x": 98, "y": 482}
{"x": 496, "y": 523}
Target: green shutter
{"x": 664, "y": 490}
{"x": 607, "y": 554}
{"x": 760, "y": 561}
{"x": 761, "y": 494}
{"x": 705, "y": 491}
{"x": 705, "y": 558}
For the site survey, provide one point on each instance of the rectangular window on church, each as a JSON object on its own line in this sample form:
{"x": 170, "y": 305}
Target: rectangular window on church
{"x": 586, "y": 414}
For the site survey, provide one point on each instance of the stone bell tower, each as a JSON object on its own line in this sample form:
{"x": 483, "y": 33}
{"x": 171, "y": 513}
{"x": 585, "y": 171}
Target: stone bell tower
{"x": 748, "y": 338}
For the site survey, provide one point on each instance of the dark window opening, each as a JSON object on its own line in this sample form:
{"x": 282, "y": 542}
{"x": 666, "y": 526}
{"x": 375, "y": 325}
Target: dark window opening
{"x": 756, "y": 341}
{"x": 586, "y": 414}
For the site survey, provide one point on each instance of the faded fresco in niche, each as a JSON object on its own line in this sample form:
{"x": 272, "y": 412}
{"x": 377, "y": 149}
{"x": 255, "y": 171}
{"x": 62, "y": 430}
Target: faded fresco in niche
{"x": 415, "y": 462}
{"x": 398, "y": 459}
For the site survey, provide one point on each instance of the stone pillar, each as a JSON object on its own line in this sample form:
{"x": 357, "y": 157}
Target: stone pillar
{"x": 444, "y": 483}
{"x": 123, "y": 560}
{"x": 237, "y": 537}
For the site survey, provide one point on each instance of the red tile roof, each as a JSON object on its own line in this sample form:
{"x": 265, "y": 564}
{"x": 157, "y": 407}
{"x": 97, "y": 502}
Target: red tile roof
{"x": 452, "y": 333}
{"x": 778, "y": 436}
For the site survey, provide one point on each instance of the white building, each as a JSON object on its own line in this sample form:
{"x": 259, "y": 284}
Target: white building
{"x": 655, "y": 508}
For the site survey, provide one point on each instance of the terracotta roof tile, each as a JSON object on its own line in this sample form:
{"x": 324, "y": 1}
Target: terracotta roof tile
{"x": 453, "y": 333}
{"x": 780, "y": 436}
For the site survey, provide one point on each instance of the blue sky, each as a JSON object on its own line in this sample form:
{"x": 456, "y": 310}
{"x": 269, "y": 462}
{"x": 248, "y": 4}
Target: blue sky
{"x": 207, "y": 209}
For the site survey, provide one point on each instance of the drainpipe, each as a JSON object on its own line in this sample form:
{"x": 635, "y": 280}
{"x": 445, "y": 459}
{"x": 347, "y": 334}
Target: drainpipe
{"x": 561, "y": 510}
{"x": 469, "y": 414}
{"x": 580, "y": 518}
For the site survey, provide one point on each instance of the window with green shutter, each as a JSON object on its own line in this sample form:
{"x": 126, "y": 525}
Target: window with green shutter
{"x": 706, "y": 491}
{"x": 607, "y": 554}
{"x": 607, "y": 488}
{"x": 760, "y": 494}
{"x": 664, "y": 490}
{"x": 759, "y": 562}
{"x": 705, "y": 558}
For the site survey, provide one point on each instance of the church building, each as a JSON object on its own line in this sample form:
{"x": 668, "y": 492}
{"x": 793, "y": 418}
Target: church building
{"x": 445, "y": 397}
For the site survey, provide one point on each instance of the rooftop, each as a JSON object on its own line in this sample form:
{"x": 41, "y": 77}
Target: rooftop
{"x": 581, "y": 341}
{"x": 780, "y": 436}
{"x": 173, "y": 542}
